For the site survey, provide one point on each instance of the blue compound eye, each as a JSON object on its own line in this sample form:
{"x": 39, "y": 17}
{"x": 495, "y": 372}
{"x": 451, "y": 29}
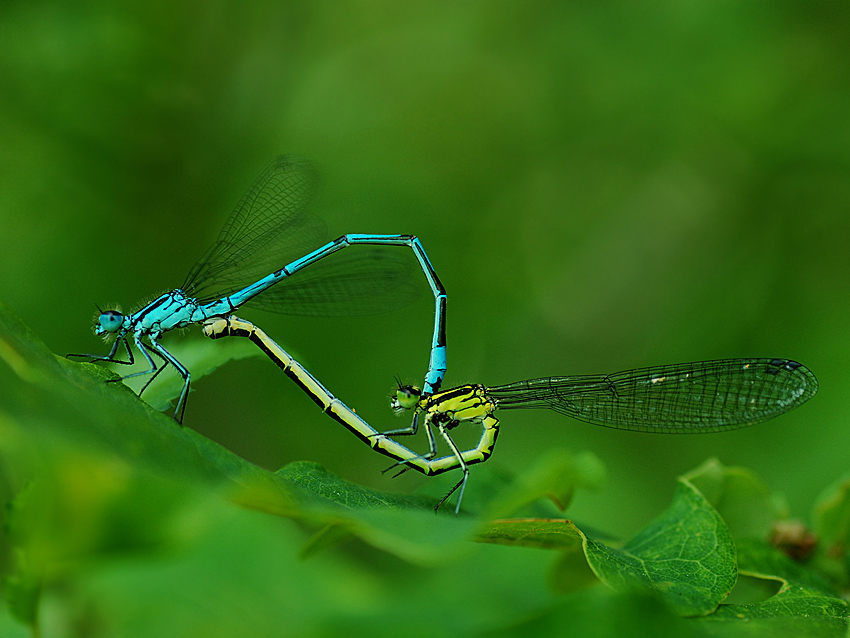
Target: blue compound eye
{"x": 109, "y": 321}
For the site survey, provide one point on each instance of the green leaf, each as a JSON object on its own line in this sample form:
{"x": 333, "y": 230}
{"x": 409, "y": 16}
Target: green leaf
{"x": 804, "y": 606}
{"x": 22, "y": 592}
{"x": 571, "y": 573}
{"x": 317, "y": 480}
{"x": 686, "y": 556}
{"x": 242, "y": 575}
{"x": 758, "y": 558}
{"x": 794, "y": 611}
{"x": 405, "y": 526}
{"x": 560, "y": 534}
{"x": 746, "y": 504}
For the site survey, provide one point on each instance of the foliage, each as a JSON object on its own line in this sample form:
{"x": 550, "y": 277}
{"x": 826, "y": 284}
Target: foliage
{"x": 600, "y": 186}
{"x": 126, "y": 524}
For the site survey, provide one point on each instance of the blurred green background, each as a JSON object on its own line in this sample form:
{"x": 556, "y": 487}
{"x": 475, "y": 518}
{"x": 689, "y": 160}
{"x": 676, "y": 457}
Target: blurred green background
{"x": 598, "y": 189}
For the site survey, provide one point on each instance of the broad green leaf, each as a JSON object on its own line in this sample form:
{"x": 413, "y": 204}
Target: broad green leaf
{"x": 243, "y": 576}
{"x": 794, "y": 611}
{"x": 746, "y": 504}
{"x": 750, "y": 509}
{"x": 803, "y": 607}
{"x": 405, "y": 526}
{"x": 316, "y": 479}
{"x": 240, "y": 576}
{"x": 758, "y": 558}
{"x": 571, "y": 573}
{"x": 560, "y": 534}
{"x": 686, "y": 556}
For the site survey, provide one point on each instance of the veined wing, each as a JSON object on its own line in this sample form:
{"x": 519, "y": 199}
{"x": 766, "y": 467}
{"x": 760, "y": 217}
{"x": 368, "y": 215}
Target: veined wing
{"x": 360, "y": 280}
{"x": 270, "y": 227}
{"x": 705, "y": 396}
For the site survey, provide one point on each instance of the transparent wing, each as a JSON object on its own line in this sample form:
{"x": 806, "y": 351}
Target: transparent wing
{"x": 269, "y": 228}
{"x": 704, "y": 396}
{"x": 359, "y": 280}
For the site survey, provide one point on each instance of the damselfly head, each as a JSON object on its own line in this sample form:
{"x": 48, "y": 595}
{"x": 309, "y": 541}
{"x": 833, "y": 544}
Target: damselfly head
{"x": 108, "y": 321}
{"x": 405, "y": 398}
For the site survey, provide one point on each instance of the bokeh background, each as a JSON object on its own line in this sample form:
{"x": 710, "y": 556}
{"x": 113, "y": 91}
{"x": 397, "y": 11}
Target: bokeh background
{"x": 599, "y": 188}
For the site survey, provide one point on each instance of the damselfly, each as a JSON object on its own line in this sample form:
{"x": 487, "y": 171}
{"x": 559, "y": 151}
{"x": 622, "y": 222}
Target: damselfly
{"x": 253, "y": 263}
{"x": 706, "y": 396}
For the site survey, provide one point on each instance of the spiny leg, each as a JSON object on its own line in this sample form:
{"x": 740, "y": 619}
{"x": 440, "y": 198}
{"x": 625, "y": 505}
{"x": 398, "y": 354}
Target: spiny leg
{"x": 432, "y": 452}
{"x": 413, "y": 428}
{"x": 463, "y": 466}
{"x": 154, "y": 370}
{"x": 181, "y": 369}
{"x": 111, "y": 356}
{"x": 155, "y": 374}
{"x": 137, "y": 339}
{"x": 478, "y": 454}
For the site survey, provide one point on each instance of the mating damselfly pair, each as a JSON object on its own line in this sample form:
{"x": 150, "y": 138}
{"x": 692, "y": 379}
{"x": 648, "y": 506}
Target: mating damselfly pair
{"x": 259, "y": 260}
